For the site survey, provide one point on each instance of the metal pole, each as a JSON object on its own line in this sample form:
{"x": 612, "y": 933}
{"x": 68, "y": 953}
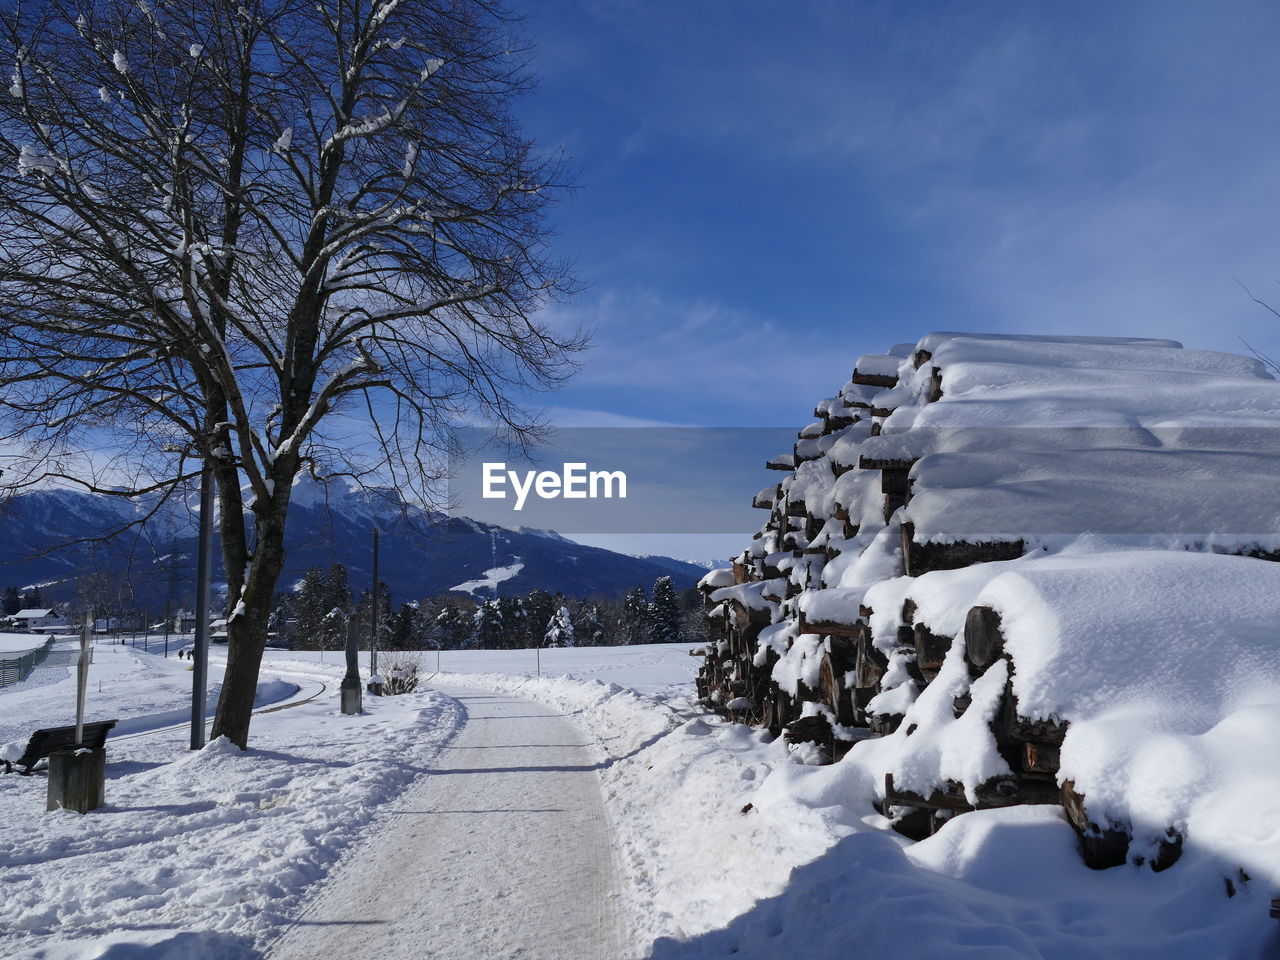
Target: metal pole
{"x": 373, "y": 606}
{"x": 204, "y": 573}
{"x": 82, "y": 675}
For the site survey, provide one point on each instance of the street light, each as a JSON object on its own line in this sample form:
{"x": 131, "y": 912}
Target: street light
{"x": 204, "y": 573}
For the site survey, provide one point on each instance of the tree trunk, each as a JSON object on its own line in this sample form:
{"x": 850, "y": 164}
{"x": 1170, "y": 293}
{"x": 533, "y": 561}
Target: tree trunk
{"x": 247, "y": 632}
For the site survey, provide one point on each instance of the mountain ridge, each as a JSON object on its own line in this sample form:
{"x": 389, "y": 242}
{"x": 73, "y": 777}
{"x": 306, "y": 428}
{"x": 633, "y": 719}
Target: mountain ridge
{"x": 53, "y": 538}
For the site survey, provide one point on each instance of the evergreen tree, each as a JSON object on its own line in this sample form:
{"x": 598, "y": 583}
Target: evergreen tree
{"x": 560, "y": 630}
{"x": 310, "y": 609}
{"x": 337, "y": 587}
{"x": 282, "y": 613}
{"x": 512, "y": 622}
{"x": 590, "y": 629}
{"x": 539, "y": 607}
{"x": 693, "y": 618}
{"x": 31, "y": 600}
{"x": 320, "y": 594}
{"x": 11, "y": 603}
{"x": 333, "y": 630}
{"x": 450, "y": 629}
{"x": 364, "y": 614}
{"x": 664, "y": 612}
{"x": 634, "y": 625}
{"x": 486, "y": 627}
{"x": 405, "y": 630}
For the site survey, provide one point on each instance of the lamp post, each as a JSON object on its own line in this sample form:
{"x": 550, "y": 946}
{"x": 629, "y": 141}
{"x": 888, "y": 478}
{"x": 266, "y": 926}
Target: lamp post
{"x": 375, "y": 681}
{"x": 204, "y": 572}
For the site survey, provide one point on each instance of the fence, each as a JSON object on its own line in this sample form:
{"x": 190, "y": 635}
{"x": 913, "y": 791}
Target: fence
{"x": 15, "y": 670}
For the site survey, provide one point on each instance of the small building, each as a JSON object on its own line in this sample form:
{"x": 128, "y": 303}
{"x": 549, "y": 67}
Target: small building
{"x": 32, "y": 620}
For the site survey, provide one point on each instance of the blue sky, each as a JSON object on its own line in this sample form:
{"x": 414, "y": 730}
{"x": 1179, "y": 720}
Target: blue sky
{"x": 769, "y": 190}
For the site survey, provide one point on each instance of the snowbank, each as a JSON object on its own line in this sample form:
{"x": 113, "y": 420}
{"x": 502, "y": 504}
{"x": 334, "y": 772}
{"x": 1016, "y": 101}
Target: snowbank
{"x": 207, "y": 852}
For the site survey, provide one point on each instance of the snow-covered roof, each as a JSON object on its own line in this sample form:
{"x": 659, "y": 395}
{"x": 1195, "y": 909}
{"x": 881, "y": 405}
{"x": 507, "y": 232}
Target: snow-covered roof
{"x": 33, "y": 614}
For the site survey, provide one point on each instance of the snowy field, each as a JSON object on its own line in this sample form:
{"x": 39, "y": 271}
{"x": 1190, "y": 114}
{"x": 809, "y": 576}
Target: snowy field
{"x": 726, "y": 846}
{"x": 16, "y": 644}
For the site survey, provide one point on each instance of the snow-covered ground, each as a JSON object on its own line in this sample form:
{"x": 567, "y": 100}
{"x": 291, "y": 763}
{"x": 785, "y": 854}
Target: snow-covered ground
{"x": 726, "y": 845}
{"x": 16, "y": 644}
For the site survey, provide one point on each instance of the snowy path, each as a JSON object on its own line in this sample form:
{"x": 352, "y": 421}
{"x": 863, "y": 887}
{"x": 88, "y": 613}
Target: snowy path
{"x": 502, "y": 851}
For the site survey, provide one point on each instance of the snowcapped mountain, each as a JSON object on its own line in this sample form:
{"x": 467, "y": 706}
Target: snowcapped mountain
{"x": 53, "y": 538}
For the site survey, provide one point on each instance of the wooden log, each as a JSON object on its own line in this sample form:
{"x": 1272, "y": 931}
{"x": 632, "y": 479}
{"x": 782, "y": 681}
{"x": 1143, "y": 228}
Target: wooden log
{"x": 935, "y": 386}
{"x": 949, "y": 796}
{"x": 920, "y": 358}
{"x": 914, "y": 823}
{"x": 919, "y": 558}
{"x": 815, "y": 730}
{"x": 832, "y": 690}
{"x": 1100, "y": 847}
{"x": 995, "y": 793}
{"x": 883, "y": 723}
{"x": 895, "y": 481}
{"x": 1009, "y": 726}
{"x": 1168, "y": 850}
{"x": 784, "y": 461}
{"x": 829, "y": 627}
{"x": 983, "y": 639}
{"x": 870, "y": 664}
{"x": 861, "y": 697}
{"x": 1016, "y": 791}
{"x": 1040, "y": 757}
{"x": 874, "y": 379}
{"x": 931, "y": 649}
{"x": 781, "y": 709}
{"x": 745, "y": 617}
{"x": 891, "y": 504}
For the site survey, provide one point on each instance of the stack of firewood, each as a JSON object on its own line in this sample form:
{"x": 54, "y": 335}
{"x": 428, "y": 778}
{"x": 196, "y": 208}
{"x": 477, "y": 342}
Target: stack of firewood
{"x": 793, "y": 651}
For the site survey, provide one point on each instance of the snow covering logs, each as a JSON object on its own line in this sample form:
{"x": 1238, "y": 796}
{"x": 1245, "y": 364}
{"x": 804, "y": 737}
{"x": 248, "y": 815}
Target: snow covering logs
{"x": 1026, "y": 570}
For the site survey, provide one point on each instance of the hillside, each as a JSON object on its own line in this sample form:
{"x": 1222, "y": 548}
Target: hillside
{"x": 46, "y": 538}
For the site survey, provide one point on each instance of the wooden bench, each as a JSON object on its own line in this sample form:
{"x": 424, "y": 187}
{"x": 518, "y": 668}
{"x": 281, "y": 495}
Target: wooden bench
{"x": 45, "y": 742}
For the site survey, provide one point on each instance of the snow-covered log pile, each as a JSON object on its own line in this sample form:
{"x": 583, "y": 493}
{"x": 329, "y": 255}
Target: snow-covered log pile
{"x": 1006, "y": 570}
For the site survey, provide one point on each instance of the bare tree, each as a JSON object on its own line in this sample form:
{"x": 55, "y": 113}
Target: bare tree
{"x": 267, "y": 236}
